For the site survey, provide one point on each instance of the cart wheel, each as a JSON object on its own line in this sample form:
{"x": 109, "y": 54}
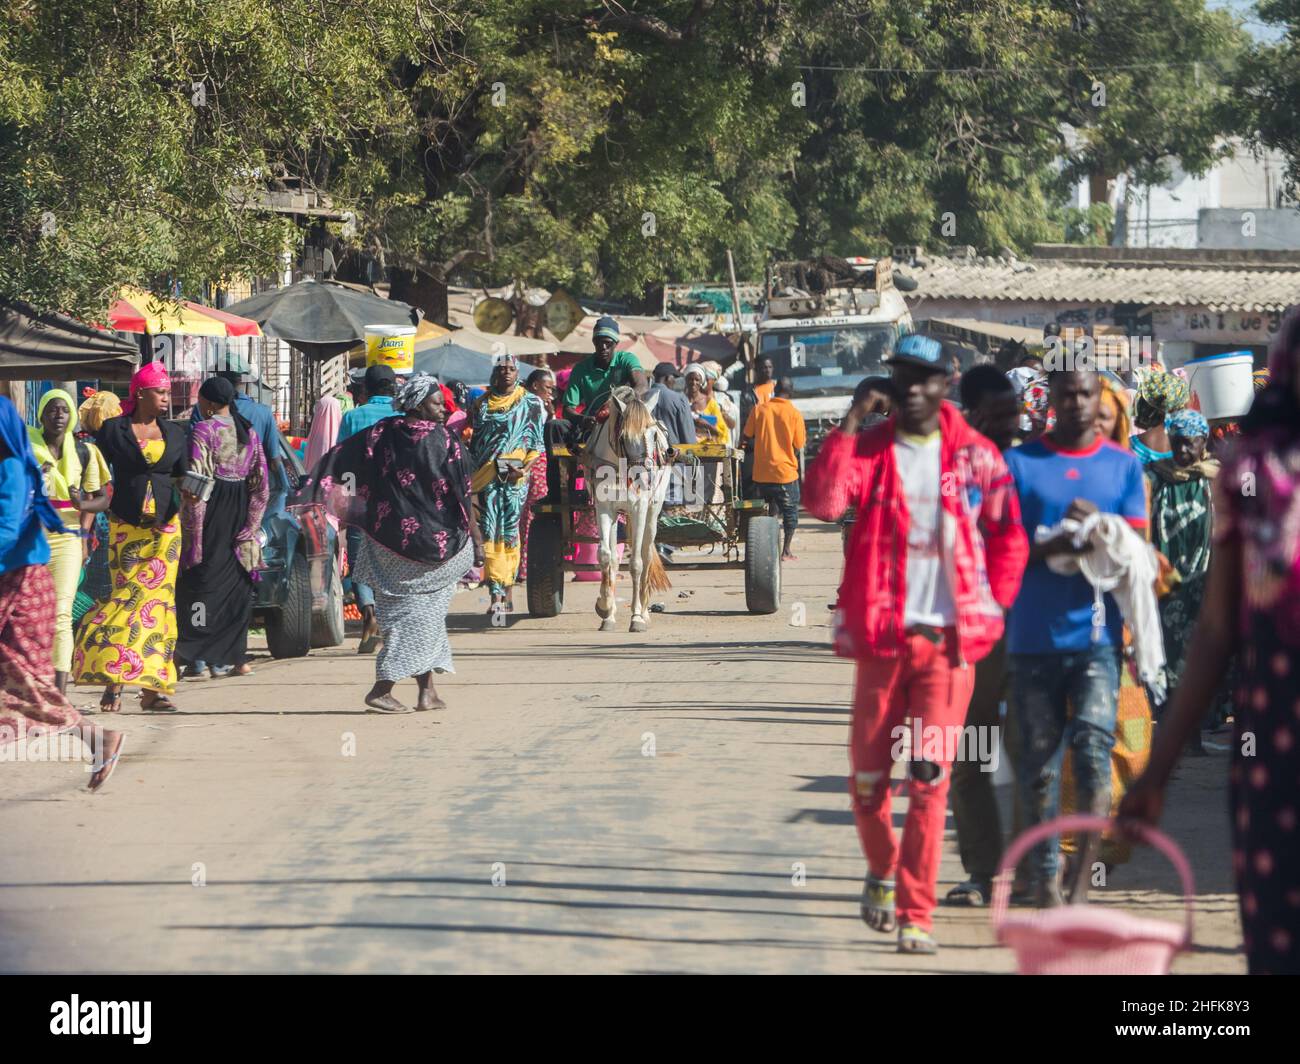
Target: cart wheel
{"x": 545, "y": 581}
{"x": 762, "y": 565}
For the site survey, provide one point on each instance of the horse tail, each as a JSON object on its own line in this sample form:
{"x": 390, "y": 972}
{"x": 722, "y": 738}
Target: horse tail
{"x": 656, "y": 575}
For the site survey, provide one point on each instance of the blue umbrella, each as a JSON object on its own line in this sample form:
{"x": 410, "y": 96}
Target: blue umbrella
{"x": 451, "y": 361}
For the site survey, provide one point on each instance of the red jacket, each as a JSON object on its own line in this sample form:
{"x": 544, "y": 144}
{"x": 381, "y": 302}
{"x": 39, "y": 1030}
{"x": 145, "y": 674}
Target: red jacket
{"x": 981, "y": 521}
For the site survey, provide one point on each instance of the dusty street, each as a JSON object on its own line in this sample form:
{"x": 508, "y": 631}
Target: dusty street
{"x": 526, "y": 828}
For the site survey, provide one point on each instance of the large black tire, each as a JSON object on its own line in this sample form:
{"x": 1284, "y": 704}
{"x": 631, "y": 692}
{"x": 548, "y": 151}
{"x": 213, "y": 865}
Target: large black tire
{"x": 288, "y": 629}
{"x": 763, "y": 565}
{"x": 545, "y": 581}
{"x": 327, "y": 628}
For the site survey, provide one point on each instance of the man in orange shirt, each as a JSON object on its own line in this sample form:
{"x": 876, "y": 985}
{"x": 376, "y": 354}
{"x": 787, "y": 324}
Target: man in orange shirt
{"x": 775, "y": 434}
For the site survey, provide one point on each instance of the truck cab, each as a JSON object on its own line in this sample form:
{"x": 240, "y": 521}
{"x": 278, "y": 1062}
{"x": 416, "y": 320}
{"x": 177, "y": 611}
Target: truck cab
{"x": 827, "y": 341}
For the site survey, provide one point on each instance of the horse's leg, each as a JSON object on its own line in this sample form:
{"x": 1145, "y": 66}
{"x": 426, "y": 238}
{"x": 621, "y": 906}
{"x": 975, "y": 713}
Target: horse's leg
{"x": 636, "y": 561}
{"x": 606, "y": 523}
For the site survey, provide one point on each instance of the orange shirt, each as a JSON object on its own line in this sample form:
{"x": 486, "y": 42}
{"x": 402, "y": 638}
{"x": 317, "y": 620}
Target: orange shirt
{"x": 764, "y": 391}
{"x": 778, "y": 432}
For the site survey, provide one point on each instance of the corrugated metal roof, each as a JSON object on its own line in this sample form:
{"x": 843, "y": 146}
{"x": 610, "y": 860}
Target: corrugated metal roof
{"x": 1218, "y": 288}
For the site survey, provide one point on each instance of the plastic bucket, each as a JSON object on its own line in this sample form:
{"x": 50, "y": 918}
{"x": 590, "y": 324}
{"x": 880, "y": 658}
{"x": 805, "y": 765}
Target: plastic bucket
{"x": 1222, "y": 384}
{"x": 391, "y": 345}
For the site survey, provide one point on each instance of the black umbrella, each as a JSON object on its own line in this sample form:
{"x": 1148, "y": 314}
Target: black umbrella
{"x": 321, "y": 318}
{"x": 452, "y": 362}
{"x": 45, "y": 345}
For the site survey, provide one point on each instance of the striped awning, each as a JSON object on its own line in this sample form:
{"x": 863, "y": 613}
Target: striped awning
{"x": 138, "y": 311}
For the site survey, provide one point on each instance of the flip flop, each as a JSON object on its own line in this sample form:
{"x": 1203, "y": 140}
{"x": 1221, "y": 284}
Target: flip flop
{"x": 160, "y": 704}
{"x": 972, "y": 894}
{"x": 369, "y": 644}
{"x": 438, "y": 704}
{"x": 110, "y": 764}
{"x": 878, "y": 904}
{"x": 111, "y": 703}
{"x": 912, "y": 939}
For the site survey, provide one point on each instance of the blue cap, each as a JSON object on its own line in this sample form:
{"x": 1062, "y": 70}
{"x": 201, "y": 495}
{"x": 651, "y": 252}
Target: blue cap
{"x": 605, "y": 326}
{"x": 917, "y": 350}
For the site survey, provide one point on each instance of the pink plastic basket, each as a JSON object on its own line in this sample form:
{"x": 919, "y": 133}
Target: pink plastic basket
{"x": 1089, "y": 939}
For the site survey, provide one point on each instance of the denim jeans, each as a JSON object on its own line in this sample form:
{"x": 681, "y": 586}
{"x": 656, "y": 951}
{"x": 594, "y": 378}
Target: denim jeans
{"x": 785, "y": 497}
{"x": 1063, "y": 700}
{"x": 365, "y": 596}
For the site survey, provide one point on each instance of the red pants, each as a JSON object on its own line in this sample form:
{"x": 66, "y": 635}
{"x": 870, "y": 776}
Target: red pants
{"x": 926, "y": 685}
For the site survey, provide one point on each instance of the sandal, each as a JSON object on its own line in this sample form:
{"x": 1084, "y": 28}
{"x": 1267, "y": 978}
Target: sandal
{"x": 111, "y": 702}
{"x": 974, "y": 893}
{"x": 913, "y": 939}
{"x": 877, "y": 906}
{"x": 369, "y": 644}
{"x": 110, "y": 765}
{"x": 159, "y": 704}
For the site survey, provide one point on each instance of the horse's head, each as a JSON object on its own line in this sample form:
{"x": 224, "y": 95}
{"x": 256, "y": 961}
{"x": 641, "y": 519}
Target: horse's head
{"x": 633, "y": 424}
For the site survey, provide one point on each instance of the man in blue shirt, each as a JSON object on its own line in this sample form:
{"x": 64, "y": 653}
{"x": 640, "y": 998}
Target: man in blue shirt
{"x": 1064, "y": 661}
{"x": 380, "y": 382}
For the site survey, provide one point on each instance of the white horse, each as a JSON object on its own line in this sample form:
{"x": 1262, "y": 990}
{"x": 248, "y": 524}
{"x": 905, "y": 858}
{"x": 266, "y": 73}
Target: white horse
{"x": 627, "y": 463}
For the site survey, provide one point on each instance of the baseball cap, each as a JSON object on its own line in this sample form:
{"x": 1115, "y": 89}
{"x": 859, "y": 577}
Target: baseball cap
{"x": 917, "y": 350}
{"x": 665, "y": 371}
{"x": 379, "y": 374}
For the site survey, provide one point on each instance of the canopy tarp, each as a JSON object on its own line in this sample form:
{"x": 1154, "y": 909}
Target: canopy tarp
{"x": 138, "y": 311}
{"x": 44, "y": 345}
{"x": 322, "y": 318}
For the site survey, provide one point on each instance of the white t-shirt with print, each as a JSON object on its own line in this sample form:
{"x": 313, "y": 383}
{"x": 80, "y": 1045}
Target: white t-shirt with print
{"x": 929, "y": 598}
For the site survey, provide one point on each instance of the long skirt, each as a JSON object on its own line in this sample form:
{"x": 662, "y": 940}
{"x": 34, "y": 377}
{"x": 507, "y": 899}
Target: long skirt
{"x": 30, "y": 704}
{"x": 1262, "y": 793}
{"x": 131, "y": 638}
{"x": 214, "y": 599}
{"x": 411, "y": 602}
{"x": 500, "y": 507}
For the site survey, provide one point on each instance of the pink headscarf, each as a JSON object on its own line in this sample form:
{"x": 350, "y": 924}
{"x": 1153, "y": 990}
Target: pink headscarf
{"x": 150, "y": 375}
{"x": 325, "y": 420}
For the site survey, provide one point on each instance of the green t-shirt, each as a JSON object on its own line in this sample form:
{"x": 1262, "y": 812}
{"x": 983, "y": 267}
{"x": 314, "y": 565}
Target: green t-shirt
{"x": 589, "y": 382}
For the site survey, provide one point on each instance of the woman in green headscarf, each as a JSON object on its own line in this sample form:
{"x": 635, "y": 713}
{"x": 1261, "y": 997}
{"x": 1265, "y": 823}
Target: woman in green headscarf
{"x": 1159, "y": 395}
{"x": 75, "y": 475}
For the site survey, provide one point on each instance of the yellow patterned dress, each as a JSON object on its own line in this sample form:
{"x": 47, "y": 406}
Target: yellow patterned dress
{"x": 130, "y": 639}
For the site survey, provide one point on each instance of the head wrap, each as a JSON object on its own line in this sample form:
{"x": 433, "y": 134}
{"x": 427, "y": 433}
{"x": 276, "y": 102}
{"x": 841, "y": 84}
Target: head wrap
{"x": 1159, "y": 394}
{"x": 1118, "y": 402}
{"x": 1186, "y": 424}
{"x": 695, "y": 370}
{"x": 325, "y": 421}
{"x": 221, "y": 391}
{"x": 414, "y": 390}
{"x": 97, "y": 409}
{"x": 66, "y": 472}
{"x": 606, "y": 328}
{"x": 14, "y": 438}
{"x": 712, "y": 370}
{"x": 218, "y": 390}
{"x": 150, "y": 375}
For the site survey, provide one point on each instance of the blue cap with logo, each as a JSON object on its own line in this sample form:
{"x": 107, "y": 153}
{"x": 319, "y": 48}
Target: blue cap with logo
{"x": 917, "y": 350}
{"x": 606, "y": 328}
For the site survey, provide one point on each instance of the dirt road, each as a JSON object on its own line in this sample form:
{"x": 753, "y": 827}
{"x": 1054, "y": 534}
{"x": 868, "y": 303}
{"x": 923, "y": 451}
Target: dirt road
{"x": 668, "y": 802}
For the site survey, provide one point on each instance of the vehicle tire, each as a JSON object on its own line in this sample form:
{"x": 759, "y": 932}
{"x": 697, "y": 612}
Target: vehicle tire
{"x": 327, "y": 625}
{"x": 545, "y": 581}
{"x": 288, "y": 629}
{"x": 763, "y": 565}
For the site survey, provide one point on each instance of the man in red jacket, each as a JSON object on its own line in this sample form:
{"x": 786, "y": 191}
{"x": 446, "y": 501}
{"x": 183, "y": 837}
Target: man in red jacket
{"x": 921, "y": 601}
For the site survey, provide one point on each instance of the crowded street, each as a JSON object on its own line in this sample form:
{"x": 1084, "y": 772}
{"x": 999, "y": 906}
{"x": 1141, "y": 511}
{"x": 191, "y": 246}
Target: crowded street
{"x": 730, "y": 849}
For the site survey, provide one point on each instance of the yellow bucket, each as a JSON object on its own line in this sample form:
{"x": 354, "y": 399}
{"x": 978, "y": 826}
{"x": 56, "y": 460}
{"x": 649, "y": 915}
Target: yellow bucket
{"x": 391, "y": 345}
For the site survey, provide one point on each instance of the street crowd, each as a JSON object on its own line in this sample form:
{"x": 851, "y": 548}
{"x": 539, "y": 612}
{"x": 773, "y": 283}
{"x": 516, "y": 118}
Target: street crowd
{"x": 1077, "y": 546}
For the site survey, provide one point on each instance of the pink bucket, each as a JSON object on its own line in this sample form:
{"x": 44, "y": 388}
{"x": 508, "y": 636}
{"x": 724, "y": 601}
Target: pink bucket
{"x": 1085, "y": 939}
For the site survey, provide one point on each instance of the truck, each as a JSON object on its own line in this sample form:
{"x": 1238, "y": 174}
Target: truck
{"x": 828, "y": 323}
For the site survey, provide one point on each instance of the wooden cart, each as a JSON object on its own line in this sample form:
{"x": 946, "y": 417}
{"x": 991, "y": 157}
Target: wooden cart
{"x": 748, "y": 536}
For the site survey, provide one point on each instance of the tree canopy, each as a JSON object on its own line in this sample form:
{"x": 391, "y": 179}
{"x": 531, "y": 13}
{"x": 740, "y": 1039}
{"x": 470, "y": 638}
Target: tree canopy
{"x": 605, "y": 148}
